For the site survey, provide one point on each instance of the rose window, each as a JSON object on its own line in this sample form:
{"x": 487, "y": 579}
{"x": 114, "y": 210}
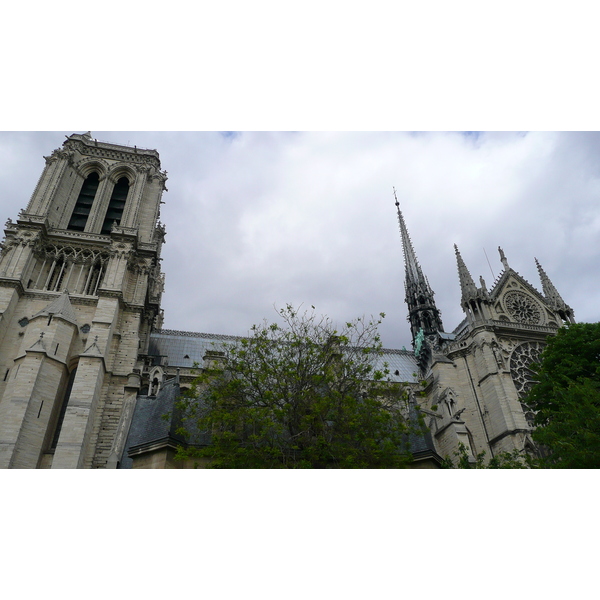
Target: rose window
{"x": 522, "y": 308}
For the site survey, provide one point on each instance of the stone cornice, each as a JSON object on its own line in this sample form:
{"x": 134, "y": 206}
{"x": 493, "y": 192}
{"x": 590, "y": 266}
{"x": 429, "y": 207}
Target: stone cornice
{"x": 13, "y": 283}
{"x": 91, "y": 147}
{"x": 66, "y": 235}
{"x": 110, "y": 293}
{"x": 74, "y": 298}
{"x": 150, "y": 247}
{"x": 29, "y": 220}
{"x": 124, "y": 233}
{"x": 495, "y": 325}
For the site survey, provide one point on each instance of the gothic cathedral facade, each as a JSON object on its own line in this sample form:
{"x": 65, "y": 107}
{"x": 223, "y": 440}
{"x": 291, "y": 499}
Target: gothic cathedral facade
{"x": 84, "y": 362}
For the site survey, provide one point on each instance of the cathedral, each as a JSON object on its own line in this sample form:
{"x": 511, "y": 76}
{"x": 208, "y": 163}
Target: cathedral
{"x": 87, "y": 373}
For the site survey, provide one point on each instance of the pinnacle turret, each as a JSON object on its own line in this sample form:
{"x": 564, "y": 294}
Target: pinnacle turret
{"x": 552, "y": 295}
{"x": 467, "y": 285}
{"x": 550, "y": 291}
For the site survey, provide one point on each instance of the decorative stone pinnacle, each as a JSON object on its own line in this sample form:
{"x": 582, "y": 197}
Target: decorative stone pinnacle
{"x": 548, "y": 288}
{"x": 467, "y": 285}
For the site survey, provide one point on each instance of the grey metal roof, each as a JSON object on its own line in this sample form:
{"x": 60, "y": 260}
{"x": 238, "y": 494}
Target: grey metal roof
{"x": 184, "y": 349}
{"x": 148, "y": 424}
{"x": 402, "y": 364}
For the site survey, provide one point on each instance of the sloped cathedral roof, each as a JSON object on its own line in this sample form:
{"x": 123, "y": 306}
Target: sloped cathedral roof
{"x": 184, "y": 349}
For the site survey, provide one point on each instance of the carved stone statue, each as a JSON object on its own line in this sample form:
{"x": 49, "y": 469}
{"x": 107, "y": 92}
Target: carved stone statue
{"x": 497, "y": 354}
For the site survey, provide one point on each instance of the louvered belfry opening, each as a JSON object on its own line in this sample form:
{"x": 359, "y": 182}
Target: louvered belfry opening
{"x": 84, "y": 202}
{"x": 116, "y": 205}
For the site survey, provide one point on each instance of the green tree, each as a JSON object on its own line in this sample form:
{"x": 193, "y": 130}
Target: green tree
{"x": 566, "y": 398}
{"x": 504, "y": 460}
{"x": 299, "y": 395}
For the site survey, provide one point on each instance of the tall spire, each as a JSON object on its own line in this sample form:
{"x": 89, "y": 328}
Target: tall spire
{"x": 467, "y": 285}
{"x": 414, "y": 274}
{"x": 552, "y": 295}
{"x": 425, "y": 318}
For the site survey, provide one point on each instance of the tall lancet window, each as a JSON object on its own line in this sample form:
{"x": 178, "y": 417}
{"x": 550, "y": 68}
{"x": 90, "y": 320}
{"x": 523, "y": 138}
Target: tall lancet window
{"x": 116, "y": 205}
{"x": 84, "y": 203}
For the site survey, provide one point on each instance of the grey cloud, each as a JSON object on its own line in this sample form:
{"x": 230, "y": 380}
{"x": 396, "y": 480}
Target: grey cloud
{"x": 257, "y": 219}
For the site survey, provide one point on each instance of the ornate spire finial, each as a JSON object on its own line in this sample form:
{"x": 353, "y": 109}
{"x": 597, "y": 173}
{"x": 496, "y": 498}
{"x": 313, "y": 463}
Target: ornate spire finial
{"x": 467, "y": 285}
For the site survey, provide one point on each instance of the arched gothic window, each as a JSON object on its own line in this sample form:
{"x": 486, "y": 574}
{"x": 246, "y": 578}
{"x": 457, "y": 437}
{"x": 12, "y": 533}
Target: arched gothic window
{"x": 83, "y": 206}
{"x": 116, "y": 205}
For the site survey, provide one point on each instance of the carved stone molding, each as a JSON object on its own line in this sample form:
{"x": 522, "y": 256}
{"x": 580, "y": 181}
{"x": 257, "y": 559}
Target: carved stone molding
{"x": 86, "y": 165}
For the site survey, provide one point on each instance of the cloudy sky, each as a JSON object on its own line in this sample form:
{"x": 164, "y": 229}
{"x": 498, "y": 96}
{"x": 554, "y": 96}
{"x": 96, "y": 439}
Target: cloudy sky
{"x": 257, "y": 220}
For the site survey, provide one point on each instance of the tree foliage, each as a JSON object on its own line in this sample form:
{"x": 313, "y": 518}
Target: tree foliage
{"x": 504, "y": 460}
{"x": 299, "y": 395}
{"x": 566, "y": 398}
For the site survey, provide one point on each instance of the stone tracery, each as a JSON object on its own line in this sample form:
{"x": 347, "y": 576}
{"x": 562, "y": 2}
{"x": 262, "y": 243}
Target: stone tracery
{"x": 520, "y": 369}
{"x": 522, "y": 308}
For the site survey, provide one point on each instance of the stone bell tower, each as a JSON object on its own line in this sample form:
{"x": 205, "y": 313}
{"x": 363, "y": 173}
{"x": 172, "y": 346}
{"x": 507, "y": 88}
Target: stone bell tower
{"x": 80, "y": 289}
